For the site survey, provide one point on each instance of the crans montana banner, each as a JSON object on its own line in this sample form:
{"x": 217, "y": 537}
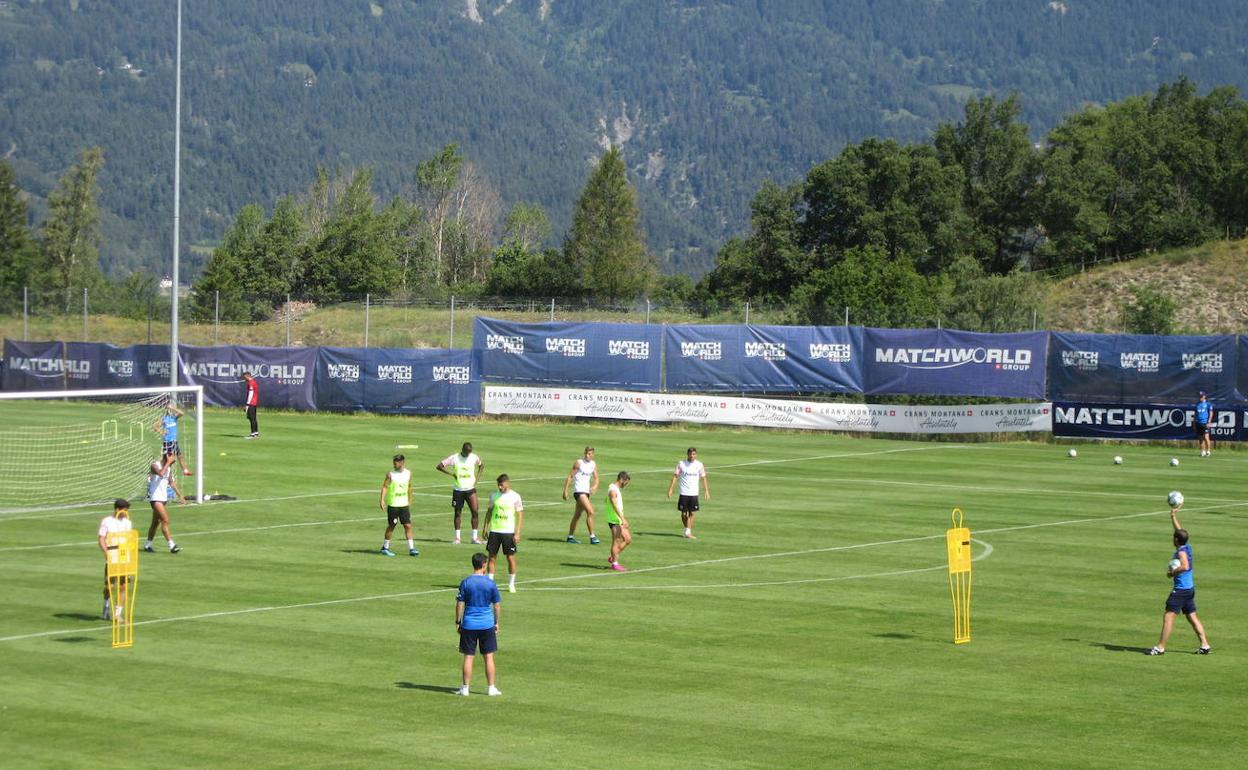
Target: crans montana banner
{"x": 946, "y": 362}
{"x": 599, "y": 355}
{"x": 411, "y": 381}
{"x": 768, "y": 413}
{"x": 763, "y": 359}
{"x": 284, "y": 374}
{"x": 1141, "y": 368}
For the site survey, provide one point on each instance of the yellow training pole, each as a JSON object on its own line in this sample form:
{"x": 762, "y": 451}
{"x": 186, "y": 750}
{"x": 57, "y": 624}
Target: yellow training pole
{"x": 123, "y": 583}
{"x": 958, "y": 542}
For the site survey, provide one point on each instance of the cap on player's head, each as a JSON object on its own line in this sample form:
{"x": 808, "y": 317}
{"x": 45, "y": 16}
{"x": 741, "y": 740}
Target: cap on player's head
{"x": 466, "y": 449}
{"x": 478, "y": 560}
{"x": 399, "y": 458}
{"x": 121, "y": 505}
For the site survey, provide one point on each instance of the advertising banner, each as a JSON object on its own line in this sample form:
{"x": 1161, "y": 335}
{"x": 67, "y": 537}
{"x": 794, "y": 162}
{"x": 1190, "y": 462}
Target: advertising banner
{"x": 598, "y": 355}
{"x": 768, "y": 413}
{"x": 48, "y": 366}
{"x": 763, "y": 359}
{"x": 136, "y": 366}
{"x": 946, "y": 362}
{"x": 1145, "y": 422}
{"x": 1141, "y": 368}
{"x": 406, "y": 381}
{"x": 284, "y": 374}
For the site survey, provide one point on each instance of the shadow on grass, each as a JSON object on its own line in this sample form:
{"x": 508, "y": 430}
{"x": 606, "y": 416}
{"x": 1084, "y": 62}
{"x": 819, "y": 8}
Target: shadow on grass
{"x": 551, "y": 540}
{"x": 74, "y": 639}
{"x": 428, "y": 687}
{"x": 660, "y": 534}
{"x": 1120, "y": 647}
{"x": 79, "y": 616}
{"x": 603, "y": 565}
{"x": 370, "y": 551}
{"x": 894, "y": 635}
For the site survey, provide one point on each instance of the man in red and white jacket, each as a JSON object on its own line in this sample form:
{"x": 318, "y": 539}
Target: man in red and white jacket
{"x": 253, "y": 401}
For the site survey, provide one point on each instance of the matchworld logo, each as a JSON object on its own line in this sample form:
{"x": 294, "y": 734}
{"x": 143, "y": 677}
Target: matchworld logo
{"x": 768, "y": 351}
{"x": 703, "y": 351}
{"x": 456, "y": 375}
{"x": 227, "y": 372}
{"x": 397, "y": 373}
{"x": 1144, "y": 363}
{"x": 158, "y": 368}
{"x": 344, "y": 372}
{"x": 568, "y": 347}
{"x": 638, "y": 350}
{"x": 120, "y": 367}
{"x": 1206, "y": 363}
{"x": 513, "y": 345}
{"x": 835, "y": 352}
{"x": 74, "y": 369}
{"x": 946, "y": 358}
{"x": 1083, "y": 360}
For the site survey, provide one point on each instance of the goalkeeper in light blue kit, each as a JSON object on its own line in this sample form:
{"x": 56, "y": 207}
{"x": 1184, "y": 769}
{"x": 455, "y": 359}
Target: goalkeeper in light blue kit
{"x": 167, "y": 428}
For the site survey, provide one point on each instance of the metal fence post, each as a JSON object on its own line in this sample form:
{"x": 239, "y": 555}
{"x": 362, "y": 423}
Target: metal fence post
{"x": 552, "y": 310}
{"x": 84, "y": 313}
{"x": 1033, "y": 319}
{"x": 452, "y": 340}
{"x": 287, "y": 320}
{"x": 149, "y": 319}
{"x": 368, "y": 301}
{"x": 25, "y": 313}
{"x": 216, "y": 317}
{"x": 747, "y": 314}
{"x": 647, "y": 311}
{"x": 847, "y": 315}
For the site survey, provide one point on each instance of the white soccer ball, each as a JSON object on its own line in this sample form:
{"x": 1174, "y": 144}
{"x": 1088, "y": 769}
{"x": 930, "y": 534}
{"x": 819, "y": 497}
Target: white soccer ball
{"x": 1174, "y": 462}
{"x": 1175, "y": 498}
{"x": 1117, "y": 460}
{"x": 1072, "y": 453}
{"x": 1175, "y": 564}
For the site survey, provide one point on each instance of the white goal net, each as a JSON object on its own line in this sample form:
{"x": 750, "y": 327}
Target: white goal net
{"x": 91, "y": 446}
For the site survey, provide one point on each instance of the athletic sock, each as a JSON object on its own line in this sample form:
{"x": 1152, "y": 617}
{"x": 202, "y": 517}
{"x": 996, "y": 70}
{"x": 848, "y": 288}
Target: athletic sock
{"x": 147, "y": 544}
{"x": 411, "y": 544}
{"x": 474, "y": 534}
{"x": 385, "y": 545}
{"x": 688, "y": 531}
{"x": 491, "y": 576}
{"x": 172, "y": 545}
{"x": 511, "y": 579}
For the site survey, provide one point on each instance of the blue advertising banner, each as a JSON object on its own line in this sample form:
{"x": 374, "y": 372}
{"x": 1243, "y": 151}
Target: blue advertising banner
{"x": 946, "y": 362}
{"x": 596, "y": 355}
{"x": 284, "y": 374}
{"x": 1147, "y": 422}
{"x": 136, "y": 366}
{"x": 1140, "y": 368}
{"x": 763, "y": 359}
{"x": 407, "y": 381}
{"x": 47, "y": 366}
{"x": 1241, "y": 386}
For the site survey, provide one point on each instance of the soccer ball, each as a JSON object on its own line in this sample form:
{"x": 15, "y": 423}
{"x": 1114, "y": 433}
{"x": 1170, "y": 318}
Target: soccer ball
{"x": 1175, "y": 564}
{"x": 1175, "y": 498}
{"x": 1174, "y": 462}
{"x": 1072, "y": 453}
{"x": 1117, "y": 460}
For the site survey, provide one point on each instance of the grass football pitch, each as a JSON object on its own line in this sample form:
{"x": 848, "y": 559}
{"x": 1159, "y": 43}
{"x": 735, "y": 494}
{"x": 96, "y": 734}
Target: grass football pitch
{"x": 809, "y": 625}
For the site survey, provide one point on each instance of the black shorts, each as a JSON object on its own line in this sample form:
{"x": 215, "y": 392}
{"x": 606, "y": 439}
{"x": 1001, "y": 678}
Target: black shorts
{"x": 1181, "y": 600}
{"x": 469, "y": 639}
{"x": 579, "y": 495}
{"x": 458, "y": 498}
{"x": 504, "y": 540}
{"x": 687, "y": 504}
{"x": 398, "y": 515}
{"x": 1202, "y": 429}
{"x": 169, "y": 448}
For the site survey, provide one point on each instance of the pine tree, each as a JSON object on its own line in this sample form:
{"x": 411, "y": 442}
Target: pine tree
{"x": 20, "y": 263}
{"x": 71, "y": 234}
{"x": 604, "y": 243}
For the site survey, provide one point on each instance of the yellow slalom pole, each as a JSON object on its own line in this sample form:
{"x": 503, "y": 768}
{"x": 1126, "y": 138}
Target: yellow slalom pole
{"x": 123, "y": 583}
{"x": 958, "y": 543}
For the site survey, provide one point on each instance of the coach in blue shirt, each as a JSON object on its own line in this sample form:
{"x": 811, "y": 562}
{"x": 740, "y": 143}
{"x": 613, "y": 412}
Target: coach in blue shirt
{"x": 1182, "y": 596}
{"x": 1204, "y": 416}
{"x": 476, "y": 618}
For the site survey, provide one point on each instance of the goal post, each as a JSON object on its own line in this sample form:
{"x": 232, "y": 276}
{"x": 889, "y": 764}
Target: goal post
{"x": 83, "y": 447}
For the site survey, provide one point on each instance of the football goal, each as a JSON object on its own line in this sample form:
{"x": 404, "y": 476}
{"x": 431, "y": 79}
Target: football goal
{"x": 84, "y": 447}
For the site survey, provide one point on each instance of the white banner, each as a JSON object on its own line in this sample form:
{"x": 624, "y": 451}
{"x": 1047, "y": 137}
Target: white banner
{"x": 769, "y": 413}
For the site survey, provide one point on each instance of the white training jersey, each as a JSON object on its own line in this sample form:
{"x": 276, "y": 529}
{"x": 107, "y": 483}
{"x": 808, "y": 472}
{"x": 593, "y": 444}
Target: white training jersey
{"x": 619, "y": 495}
{"x": 111, "y": 524}
{"x": 689, "y": 471}
{"x": 583, "y": 479}
{"x": 158, "y": 486}
{"x": 464, "y": 470}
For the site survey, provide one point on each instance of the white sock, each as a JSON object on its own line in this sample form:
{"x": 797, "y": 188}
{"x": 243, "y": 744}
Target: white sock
{"x": 474, "y": 534}
{"x": 511, "y": 579}
{"x": 385, "y": 544}
{"x": 411, "y": 545}
{"x": 491, "y": 576}
{"x": 172, "y": 545}
{"x": 147, "y": 544}
{"x": 688, "y": 531}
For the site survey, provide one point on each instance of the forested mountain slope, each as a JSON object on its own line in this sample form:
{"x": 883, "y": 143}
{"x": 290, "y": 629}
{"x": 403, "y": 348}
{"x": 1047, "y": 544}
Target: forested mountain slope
{"x": 707, "y": 99}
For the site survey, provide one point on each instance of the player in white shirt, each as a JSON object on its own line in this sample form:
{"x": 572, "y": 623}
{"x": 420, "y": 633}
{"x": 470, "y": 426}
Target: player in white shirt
{"x": 583, "y": 478}
{"x": 159, "y": 484}
{"x": 118, "y": 521}
{"x": 464, "y": 468}
{"x": 688, "y": 471}
{"x": 621, "y": 535}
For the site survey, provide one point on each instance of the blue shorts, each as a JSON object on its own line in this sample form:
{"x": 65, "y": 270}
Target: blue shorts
{"x": 1181, "y": 600}
{"x": 469, "y": 639}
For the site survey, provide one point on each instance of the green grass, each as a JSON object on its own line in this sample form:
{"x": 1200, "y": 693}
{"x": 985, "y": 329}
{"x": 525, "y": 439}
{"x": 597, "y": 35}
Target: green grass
{"x": 808, "y": 626}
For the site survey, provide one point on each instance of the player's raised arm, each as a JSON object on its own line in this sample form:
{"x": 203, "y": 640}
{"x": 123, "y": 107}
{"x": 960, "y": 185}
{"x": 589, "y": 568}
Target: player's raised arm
{"x": 1174, "y": 516}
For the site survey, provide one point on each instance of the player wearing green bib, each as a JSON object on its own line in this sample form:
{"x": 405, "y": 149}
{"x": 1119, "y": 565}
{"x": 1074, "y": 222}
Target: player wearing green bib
{"x": 503, "y": 521}
{"x": 621, "y": 535}
{"x": 464, "y": 468}
{"x": 396, "y": 502}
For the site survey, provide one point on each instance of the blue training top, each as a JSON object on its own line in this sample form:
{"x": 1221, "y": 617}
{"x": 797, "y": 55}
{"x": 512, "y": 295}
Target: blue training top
{"x": 1184, "y": 578}
{"x": 1203, "y": 411}
{"x": 170, "y": 424}
{"x": 479, "y": 595}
